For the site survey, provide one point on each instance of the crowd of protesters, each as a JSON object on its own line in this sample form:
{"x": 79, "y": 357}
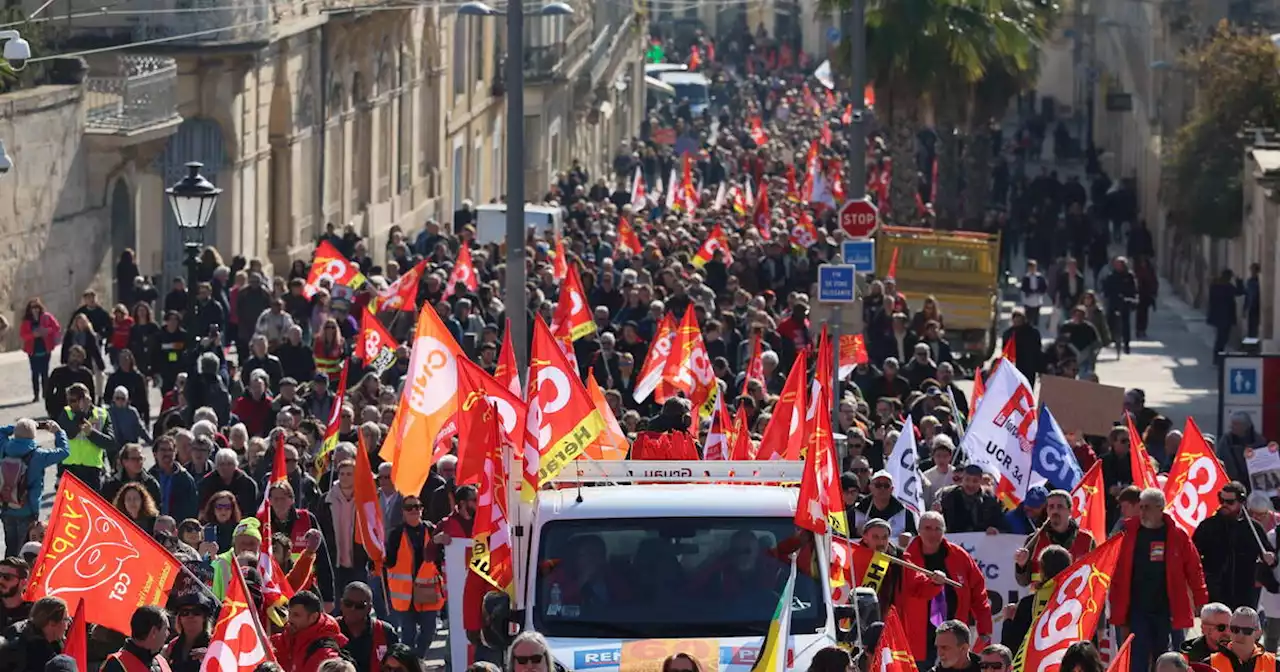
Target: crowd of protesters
{"x": 247, "y": 362}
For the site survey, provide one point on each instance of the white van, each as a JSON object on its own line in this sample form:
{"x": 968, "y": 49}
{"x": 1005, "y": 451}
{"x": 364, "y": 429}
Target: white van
{"x": 673, "y": 553}
{"x": 691, "y": 85}
{"x": 491, "y": 222}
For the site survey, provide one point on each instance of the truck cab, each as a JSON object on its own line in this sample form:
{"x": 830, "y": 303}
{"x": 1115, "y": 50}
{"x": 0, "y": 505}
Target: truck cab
{"x": 625, "y": 552}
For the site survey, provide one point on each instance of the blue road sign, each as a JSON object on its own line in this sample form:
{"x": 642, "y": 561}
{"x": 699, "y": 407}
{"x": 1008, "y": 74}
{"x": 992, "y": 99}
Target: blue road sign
{"x": 860, "y": 253}
{"x": 837, "y": 283}
{"x": 1243, "y": 381}
{"x": 833, "y": 34}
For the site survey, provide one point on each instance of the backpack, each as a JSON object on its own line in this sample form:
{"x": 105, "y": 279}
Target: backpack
{"x": 13, "y": 481}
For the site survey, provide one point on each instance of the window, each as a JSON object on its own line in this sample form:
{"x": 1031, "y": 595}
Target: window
{"x": 459, "y": 55}
{"x": 477, "y": 47}
{"x": 532, "y": 146}
{"x": 404, "y": 122}
{"x": 459, "y": 172}
{"x": 670, "y": 577}
{"x": 477, "y": 168}
{"x": 498, "y": 167}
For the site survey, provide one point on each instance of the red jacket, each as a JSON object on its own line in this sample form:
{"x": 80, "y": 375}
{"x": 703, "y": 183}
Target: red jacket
{"x": 52, "y": 333}
{"x": 973, "y": 605}
{"x": 1183, "y": 575}
{"x": 294, "y": 650}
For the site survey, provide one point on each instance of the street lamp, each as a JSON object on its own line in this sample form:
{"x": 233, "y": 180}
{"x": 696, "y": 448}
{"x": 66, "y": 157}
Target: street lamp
{"x": 192, "y": 199}
{"x": 517, "y": 303}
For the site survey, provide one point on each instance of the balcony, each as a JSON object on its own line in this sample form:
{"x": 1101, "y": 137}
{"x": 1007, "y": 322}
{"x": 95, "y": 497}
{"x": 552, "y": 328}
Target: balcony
{"x": 132, "y": 97}
{"x": 553, "y": 62}
{"x": 208, "y": 23}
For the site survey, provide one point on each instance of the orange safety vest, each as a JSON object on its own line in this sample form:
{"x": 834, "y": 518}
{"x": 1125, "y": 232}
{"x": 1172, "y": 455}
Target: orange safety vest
{"x": 132, "y": 663}
{"x": 421, "y": 592}
{"x": 1265, "y": 662}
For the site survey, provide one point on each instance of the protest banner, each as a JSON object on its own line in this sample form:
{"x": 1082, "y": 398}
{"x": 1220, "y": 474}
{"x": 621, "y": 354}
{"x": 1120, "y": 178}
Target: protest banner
{"x": 994, "y": 555}
{"x": 1264, "y": 469}
{"x": 1082, "y": 406}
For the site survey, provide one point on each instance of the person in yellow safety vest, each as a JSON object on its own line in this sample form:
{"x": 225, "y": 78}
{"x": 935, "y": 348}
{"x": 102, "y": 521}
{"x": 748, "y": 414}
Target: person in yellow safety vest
{"x": 1244, "y": 654}
{"x": 88, "y": 429}
{"x": 148, "y": 632}
{"x": 247, "y": 538}
{"x": 415, "y": 586}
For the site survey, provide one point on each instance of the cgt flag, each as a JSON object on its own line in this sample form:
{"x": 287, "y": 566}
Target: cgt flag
{"x": 1073, "y": 610}
{"x": 893, "y": 653}
{"x": 1089, "y": 504}
{"x": 329, "y": 265}
{"x": 1194, "y": 480}
{"x": 91, "y": 552}
{"x": 238, "y": 643}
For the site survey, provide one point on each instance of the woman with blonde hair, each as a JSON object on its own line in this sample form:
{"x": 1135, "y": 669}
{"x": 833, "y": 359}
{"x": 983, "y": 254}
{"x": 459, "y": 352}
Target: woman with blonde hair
{"x": 81, "y": 333}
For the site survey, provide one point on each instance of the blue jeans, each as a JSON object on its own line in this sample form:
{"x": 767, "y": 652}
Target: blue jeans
{"x": 379, "y": 598}
{"x": 1152, "y": 635}
{"x": 417, "y": 629}
{"x": 16, "y": 529}
{"x": 39, "y": 372}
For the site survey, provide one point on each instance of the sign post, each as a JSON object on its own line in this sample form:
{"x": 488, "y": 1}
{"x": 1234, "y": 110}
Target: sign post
{"x": 859, "y": 218}
{"x": 837, "y": 285}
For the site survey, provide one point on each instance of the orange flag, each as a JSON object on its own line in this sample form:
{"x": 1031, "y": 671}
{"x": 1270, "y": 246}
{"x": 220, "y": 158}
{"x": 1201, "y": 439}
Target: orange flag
{"x": 561, "y": 421}
{"x": 742, "y": 448}
{"x": 401, "y": 294}
{"x": 77, "y": 644}
{"x": 820, "y": 508}
{"x": 1121, "y": 662}
{"x": 375, "y": 347}
{"x": 1144, "y": 474}
{"x": 427, "y": 404}
{"x": 92, "y": 552}
{"x": 893, "y": 652}
{"x": 506, "y": 374}
{"x": 655, "y": 361}
{"x": 628, "y": 241}
{"x": 238, "y": 643}
{"x": 572, "y": 319}
{"x": 853, "y": 351}
{"x": 781, "y": 439}
{"x": 1010, "y": 349}
{"x": 370, "y": 531}
{"x": 612, "y": 444}
{"x": 1088, "y": 502}
{"x": 755, "y": 366}
{"x": 1196, "y": 477}
{"x": 330, "y": 265}
{"x": 979, "y": 388}
{"x": 1074, "y": 608}
{"x": 464, "y": 272}
{"x": 559, "y": 262}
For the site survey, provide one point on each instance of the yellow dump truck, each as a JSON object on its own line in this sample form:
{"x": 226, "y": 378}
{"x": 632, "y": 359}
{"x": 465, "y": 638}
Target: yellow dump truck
{"x": 960, "y": 269}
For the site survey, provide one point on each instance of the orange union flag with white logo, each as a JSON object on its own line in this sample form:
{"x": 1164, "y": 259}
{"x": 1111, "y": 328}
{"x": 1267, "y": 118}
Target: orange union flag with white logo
{"x": 1073, "y": 610}
{"x": 427, "y": 404}
{"x": 92, "y": 552}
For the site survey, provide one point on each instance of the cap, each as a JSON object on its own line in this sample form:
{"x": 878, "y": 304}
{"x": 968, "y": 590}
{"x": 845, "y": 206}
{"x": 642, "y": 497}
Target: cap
{"x": 288, "y": 380}
{"x": 30, "y": 548}
{"x": 882, "y": 474}
{"x": 973, "y": 470}
{"x": 1036, "y": 497}
{"x": 61, "y": 663}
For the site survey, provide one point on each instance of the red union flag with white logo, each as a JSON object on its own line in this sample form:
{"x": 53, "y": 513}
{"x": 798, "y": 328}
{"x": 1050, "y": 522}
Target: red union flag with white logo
{"x": 238, "y": 643}
{"x": 91, "y": 552}
{"x": 655, "y": 361}
{"x": 464, "y": 273}
{"x": 329, "y": 264}
{"x": 403, "y": 293}
{"x": 375, "y": 347}
{"x": 1002, "y": 432}
{"x": 1073, "y": 610}
{"x": 1194, "y": 480}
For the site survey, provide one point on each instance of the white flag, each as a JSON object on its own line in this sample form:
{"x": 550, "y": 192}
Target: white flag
{"x": 1002, "y": 433}
{"x": 901, "y": 465}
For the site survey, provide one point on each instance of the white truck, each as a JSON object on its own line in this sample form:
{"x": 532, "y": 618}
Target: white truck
{"x": 675, "y": 551}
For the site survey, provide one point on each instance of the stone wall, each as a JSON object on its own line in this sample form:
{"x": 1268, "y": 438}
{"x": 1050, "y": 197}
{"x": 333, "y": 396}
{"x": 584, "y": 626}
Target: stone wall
{"x": 54, "y": 227}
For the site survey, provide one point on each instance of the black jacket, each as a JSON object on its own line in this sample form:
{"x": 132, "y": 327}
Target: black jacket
{"x": 959, "y": 518}
{"x": 971, "y": 667}
{"x": 243, "y": 487}
{"x": 25, "y": 649}
{"x": 1230, "y": 555}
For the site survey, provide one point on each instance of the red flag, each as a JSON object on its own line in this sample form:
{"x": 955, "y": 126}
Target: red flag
{"x": 716, "y": 240}
{"x": 742, "y": 448}
{"x": 464, "y": 273}
{"x": 370, "y": 531}
{"x": 628, "y": 241}
{"x": 650, "y": 378}
{"x": 1144, "y": 474}
{"x": 477, "y": 426}
{"x": 279, "y": 474}
{"x": 853, "y": 351}
{"x": 782, "y": 436}
{"x": 238, "y": 643}
{"x": 1010, "y": 349}
{"x": 716, "y": 446}
{"x": 403, "y": 293}
{"x": 1074, "y": 608}
{"x": 820, "y": 508}
{"x": 77, "y": 644}
{"x": 1121, "y": 662}
{"x": 1195, "y": 478}
{"x": 1088, "y": 502}
{"x": 335, "y": 420}
{"x": 793, "y": 191}
{"x": 762, "y": 214}
{"x": 893, "y": 265}
{"x": 506, "y": 374}
{"x": 572, "y": 319}
{"x": 757, "y": 132}
{"x": 559, "y": 262}
{"x": 329, "y": 264}
{"x": 893, "y": 652}
{"x": 375, "y": 347}
{"x": 92, "y": 552}
{"x": 847, "y": 117}
{"x": 755, "y": 366}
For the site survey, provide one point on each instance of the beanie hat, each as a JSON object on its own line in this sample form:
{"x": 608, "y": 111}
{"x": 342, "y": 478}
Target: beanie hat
{"x": 61, "y": 663}
{"x": 249, "y": 527}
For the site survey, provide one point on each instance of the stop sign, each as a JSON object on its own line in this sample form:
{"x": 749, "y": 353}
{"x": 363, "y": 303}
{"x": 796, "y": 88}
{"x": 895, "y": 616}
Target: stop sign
{"x": 859, "y": 218}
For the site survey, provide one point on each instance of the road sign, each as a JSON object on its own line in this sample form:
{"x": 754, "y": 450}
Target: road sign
{"x": 860, "y": 253}
{"x": 837, "y": 283}
{"x": 1248, "y": 385}
{"x": 1241, "y": 380}
{"x": 833, "y": 35}
{"x": 859, "y": 219}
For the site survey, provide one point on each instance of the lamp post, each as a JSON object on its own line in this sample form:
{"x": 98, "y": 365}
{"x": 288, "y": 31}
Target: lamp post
{"x": 516, "y": 300}
{"x": 192, "y": 199}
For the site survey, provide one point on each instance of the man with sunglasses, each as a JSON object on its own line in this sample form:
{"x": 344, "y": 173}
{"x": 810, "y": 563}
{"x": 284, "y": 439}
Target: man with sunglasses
{"x": 1215, "y": 618}
{"x": 996, "y": 658}
{"x": 414, "y": 584}
{"x": 1231, "y": 544}
{"x": 1244, "y": 654}
{"x": 13, "y": 581}
{"x": 881, "y": 504}
{"x": 367, "y": 637}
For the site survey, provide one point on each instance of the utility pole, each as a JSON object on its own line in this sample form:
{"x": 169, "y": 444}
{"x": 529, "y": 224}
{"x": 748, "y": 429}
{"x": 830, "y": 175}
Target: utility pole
{"x": 855, "y": 31}
{"x": 515, "y": 300}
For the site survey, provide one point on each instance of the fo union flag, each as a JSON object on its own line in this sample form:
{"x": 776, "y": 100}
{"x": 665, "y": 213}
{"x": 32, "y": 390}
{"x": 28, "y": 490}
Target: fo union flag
{"x": 91, "y": 552}
{"x": 1002, "y": 433}
{"x": 1073, "y": 609}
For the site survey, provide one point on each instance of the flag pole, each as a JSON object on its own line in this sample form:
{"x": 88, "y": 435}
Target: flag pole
{"x": 909, "y": 565}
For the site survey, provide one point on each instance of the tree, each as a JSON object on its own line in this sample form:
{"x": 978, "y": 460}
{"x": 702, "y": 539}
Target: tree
{"x": 1237, "y": 77}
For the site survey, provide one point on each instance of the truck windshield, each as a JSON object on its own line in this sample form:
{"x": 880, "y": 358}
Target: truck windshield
{"x": 674, "y": 577}
{"x": 695, "y": 93}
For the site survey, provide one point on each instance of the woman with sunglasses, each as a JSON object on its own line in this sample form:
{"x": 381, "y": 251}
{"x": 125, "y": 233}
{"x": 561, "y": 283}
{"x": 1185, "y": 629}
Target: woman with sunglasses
{"x": 223, "y": 513}
{"x": 529, "y": 653}
{"x": 185, "y": 652}
{"x": 400, "y": 658}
